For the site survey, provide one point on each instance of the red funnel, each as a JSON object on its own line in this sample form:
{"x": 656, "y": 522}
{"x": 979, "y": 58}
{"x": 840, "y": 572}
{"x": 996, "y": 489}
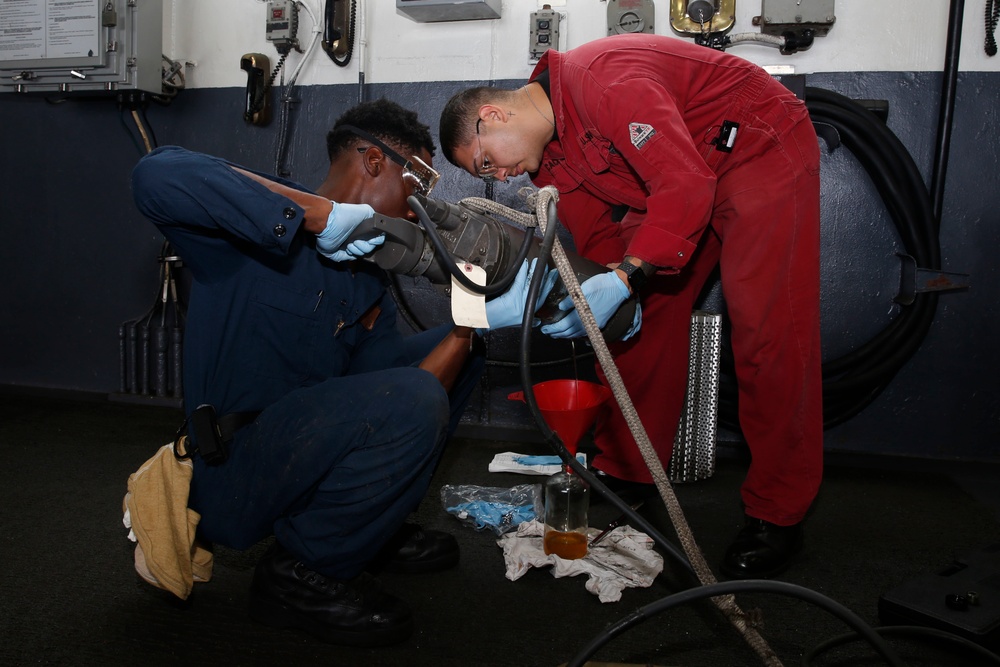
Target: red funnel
{"x": 568, "y": 406}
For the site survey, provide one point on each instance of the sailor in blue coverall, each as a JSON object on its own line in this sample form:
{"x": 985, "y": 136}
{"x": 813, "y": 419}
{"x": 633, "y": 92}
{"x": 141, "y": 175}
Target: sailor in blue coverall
{"x": 349, "y": 429}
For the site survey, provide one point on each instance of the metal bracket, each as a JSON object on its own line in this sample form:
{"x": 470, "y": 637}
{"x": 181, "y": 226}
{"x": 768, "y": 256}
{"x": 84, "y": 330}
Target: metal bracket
{"x": 829, "y": 134}
{"x": 914, "y": 280}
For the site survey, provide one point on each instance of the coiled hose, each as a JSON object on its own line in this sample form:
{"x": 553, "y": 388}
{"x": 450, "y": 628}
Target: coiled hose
{"x": 853, "y": 381}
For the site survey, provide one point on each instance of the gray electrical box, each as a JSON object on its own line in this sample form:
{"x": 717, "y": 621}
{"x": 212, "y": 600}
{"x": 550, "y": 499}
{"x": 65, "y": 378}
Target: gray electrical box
{"x": 628, "y": 16}
{"x": 780, "y": 16}
{"x": 81, "y": 46}
{"x": 431, "y": 11}
{"x": 543, "y": 32}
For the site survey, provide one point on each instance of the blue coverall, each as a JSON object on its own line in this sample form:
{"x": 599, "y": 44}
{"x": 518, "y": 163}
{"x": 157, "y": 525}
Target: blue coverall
{"x": 349, "y": 430}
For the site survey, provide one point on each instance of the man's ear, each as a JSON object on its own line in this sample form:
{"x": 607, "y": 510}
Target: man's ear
{"x": 491, "y": 112}
{"x": 373, "y": 161}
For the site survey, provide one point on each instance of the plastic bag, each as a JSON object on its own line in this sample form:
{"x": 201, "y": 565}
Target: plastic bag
{"x": 498, "y": 508}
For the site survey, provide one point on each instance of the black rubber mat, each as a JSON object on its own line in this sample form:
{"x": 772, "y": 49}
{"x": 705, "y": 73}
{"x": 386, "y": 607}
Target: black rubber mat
{"x": 69, "y": 594}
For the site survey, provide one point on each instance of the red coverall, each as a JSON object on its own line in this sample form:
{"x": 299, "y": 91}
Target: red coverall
{"x": 637, "y": 119}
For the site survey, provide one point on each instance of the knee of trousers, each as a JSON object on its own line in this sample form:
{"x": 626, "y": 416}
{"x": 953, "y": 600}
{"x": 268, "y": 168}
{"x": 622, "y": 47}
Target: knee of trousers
{"x": 414, "y": 397}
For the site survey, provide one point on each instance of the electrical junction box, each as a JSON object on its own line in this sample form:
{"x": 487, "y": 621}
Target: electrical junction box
{"x": 282, "y": 25}
{"x": 544, "y": 32}
{"x": 432, "y": 11}
{"x": 625, "y": 16}
{"x": 74, "y": 46}
{"x": 780, "y": 16}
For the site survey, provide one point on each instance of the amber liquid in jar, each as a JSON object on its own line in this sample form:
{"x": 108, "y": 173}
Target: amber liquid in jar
{"x": 565, "y": 545}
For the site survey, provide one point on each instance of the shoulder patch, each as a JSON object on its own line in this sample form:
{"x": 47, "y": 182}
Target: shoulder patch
{"x": 640, "y": 133}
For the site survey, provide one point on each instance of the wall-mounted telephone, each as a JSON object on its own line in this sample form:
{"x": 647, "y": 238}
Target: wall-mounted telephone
{"x": 338, "y": 30}
{"x": 257, "y": 109}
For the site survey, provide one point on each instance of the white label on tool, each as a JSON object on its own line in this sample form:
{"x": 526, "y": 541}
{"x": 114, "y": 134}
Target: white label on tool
{"x": 468, "y": 309}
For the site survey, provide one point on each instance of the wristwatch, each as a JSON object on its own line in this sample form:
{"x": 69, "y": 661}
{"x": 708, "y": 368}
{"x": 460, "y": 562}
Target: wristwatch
{"x": 636, "y": 276}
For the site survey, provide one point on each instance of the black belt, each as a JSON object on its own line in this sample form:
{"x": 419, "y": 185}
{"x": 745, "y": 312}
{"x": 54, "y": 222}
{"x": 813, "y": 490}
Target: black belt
{"x": 209, "y": 435}
{"x": 231, "y": 423}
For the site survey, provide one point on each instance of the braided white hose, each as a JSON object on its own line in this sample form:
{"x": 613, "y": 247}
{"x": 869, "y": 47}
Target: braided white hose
{"x": 726, "y": 603}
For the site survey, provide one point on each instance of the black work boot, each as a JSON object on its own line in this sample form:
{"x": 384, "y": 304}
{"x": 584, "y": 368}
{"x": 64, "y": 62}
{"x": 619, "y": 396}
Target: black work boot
{"x": 416, "y": 550}
{"x": 761, "y": 550}
{"x": 357, "y": 612}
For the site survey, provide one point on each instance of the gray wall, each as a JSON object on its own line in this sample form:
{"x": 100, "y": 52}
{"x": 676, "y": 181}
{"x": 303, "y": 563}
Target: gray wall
{"x": 77, "y": 259}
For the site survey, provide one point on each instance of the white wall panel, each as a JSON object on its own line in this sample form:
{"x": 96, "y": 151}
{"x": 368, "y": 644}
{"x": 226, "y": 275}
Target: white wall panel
{"x": 887, "y": 35}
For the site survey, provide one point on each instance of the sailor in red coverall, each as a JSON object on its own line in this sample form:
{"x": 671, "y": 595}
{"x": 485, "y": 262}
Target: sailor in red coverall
{"x": 715, "y": 164}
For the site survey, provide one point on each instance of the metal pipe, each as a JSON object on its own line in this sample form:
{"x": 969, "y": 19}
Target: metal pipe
{"x": 131, "y": 358}
{"x": 122, "y": 360}
{"x": 144, "y": 360}
{"x": 159, "y": 386}
{"x": 176, "y": 356}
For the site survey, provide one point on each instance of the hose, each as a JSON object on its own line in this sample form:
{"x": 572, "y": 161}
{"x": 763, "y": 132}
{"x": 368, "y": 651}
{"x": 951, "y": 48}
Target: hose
{"x": 721, "y": 593}
{"x": 947, "y": 105}
{"x": 918, "y": 631}
{"x": 853, "y": 381}
{"x": 545, "y": 203}
{"x": 731, "y": 588}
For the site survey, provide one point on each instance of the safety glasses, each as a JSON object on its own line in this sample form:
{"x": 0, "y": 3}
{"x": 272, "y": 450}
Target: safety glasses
{"x": 422, "y": 176}
{"x": 486, "y": 171}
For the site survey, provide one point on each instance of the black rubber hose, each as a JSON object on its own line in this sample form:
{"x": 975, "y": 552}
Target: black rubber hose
{"x": 731, "y": 588}
{"x": 947, "y": 105}
{"x": 852, "y": 381}
{"x": 551, "y": 437}
{"x": 918, "y": 631}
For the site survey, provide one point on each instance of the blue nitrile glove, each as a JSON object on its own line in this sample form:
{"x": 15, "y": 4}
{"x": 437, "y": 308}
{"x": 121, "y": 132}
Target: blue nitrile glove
{"x": 507, "y": 310}
{"x": 636, "y": 322}
{"x": 605, "y": 292}
{"x": 500, "y": 517}
{"x": 537, "y": 460}
{"x": 343, "y": 220}
{"x": 357, "y": 249}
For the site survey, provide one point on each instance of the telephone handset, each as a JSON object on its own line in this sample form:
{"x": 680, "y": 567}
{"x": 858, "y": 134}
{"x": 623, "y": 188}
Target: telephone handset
{"x": 992, "y": 18}
{"x": 257, "y": 109}
{"x": 338, "y": 30}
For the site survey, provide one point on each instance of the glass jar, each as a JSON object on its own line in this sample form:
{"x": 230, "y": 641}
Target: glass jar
{"x": 567, "y": 500}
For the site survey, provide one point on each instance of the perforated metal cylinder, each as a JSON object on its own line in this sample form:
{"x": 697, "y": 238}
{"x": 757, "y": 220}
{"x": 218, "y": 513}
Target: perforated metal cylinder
{"x": 694, "y": 447}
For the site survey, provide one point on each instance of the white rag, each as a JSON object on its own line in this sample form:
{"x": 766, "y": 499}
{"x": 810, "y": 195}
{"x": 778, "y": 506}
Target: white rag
{"x": 625, "y": 558}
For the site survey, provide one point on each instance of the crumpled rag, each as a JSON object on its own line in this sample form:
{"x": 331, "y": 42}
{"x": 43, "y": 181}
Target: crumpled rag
{"x": 163, "y": 526}
{"x": 625, "y": 558}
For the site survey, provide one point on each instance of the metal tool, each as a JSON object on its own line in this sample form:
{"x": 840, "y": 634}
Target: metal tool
{"x": 614, "y": 524}
{"x": 467, "y": 235}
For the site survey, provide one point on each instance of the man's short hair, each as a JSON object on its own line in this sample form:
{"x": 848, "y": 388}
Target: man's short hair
{"x": 398, "y": 127}
{"x": 458, "y": 120}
